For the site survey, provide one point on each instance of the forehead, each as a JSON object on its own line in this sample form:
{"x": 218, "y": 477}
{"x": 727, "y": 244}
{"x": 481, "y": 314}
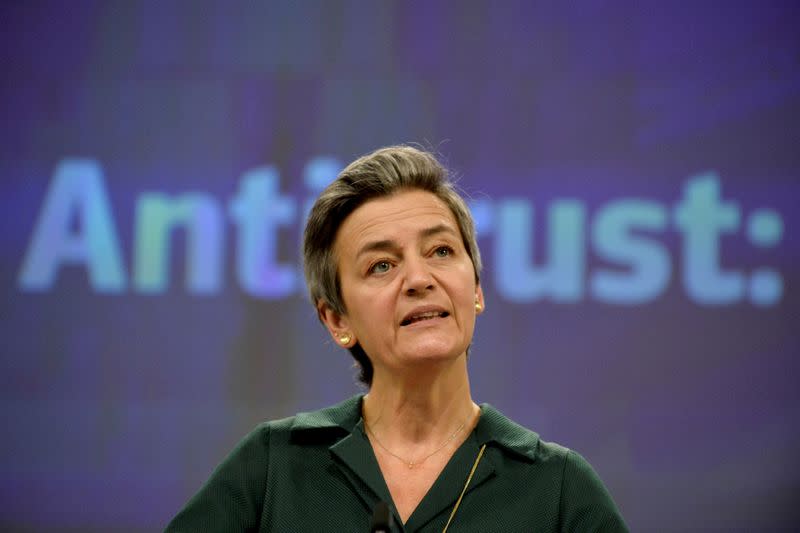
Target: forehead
{"x": 396, "y": 217}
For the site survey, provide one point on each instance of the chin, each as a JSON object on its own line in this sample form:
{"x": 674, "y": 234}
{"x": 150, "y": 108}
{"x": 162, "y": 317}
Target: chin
{"x": 435, "y": 351}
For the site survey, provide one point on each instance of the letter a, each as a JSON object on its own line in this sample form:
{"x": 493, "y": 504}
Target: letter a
{"x": 77, "y": 189}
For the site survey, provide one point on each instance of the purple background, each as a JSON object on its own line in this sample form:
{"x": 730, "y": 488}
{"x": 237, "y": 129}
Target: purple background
{"x": 118, "y": 406}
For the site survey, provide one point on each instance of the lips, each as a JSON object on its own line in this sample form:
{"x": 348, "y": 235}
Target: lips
{"x": 423, "y": 313}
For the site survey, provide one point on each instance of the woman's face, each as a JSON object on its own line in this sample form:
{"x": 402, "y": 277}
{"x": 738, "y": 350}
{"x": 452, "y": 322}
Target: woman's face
{"x": 407, "y": 282}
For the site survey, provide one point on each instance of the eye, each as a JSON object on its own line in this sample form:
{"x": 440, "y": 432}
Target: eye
{"x": 381, "y": 267}
{"x": 443, "y": 251}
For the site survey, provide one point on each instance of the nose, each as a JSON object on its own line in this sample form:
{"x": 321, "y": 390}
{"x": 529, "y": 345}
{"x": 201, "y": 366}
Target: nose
{"x": 418, "y": 278}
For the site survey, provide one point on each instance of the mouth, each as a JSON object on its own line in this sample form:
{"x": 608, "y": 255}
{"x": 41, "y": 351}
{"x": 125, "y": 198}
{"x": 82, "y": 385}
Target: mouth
{"x": 419, "y": 317}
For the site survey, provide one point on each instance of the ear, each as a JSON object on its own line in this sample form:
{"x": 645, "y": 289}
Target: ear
{"x": 337, "y": 325}
{"x": 479, "y": 300}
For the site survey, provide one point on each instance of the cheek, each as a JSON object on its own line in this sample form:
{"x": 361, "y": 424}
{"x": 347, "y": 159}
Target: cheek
{"x": 370, "y": 310}
{"x": 468, "y": 291}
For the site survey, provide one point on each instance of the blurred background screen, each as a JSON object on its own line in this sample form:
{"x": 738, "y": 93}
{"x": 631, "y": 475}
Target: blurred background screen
{"x": 633, "y": 168}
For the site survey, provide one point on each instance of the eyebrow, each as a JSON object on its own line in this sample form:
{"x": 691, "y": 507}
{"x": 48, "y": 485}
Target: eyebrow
{"x": 390, "y": 245}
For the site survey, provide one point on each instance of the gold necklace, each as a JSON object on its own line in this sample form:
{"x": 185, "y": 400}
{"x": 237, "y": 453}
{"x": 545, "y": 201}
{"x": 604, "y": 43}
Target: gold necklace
{"x": 412, "y": 464}
{"x": 466, "y": 485}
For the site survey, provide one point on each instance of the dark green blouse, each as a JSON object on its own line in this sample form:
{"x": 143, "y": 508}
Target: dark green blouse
{"x": 317, "y": 472}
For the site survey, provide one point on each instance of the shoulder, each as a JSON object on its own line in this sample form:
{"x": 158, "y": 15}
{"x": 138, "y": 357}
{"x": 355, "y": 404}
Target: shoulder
{"x": 584, "y": 503}
{"x": 232, "y": 498}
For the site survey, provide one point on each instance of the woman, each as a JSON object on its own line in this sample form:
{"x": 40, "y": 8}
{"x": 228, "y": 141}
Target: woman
{"x": 392, "y": 266}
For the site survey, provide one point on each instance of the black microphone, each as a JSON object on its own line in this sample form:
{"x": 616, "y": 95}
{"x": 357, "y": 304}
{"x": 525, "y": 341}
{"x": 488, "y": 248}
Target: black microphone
{"x": 381, "y": 519}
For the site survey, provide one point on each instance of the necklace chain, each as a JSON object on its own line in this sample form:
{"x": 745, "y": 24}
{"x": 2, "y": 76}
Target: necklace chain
{"x": 412, "y": 464}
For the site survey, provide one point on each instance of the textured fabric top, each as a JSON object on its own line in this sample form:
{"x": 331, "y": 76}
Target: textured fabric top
{"x": 317, "y": 472}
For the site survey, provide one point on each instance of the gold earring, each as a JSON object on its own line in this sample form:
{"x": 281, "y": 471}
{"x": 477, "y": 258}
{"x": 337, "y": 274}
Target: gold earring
{"x": 345, "y": 338}
{"x": 478, "y": 306}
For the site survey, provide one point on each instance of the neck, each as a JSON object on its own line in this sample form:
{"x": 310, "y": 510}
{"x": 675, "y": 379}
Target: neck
{"x": 421, "y": 407}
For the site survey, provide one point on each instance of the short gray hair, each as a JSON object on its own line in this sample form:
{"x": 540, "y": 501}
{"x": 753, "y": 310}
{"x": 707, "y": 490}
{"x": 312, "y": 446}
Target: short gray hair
{"x": 381, "y": 173}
